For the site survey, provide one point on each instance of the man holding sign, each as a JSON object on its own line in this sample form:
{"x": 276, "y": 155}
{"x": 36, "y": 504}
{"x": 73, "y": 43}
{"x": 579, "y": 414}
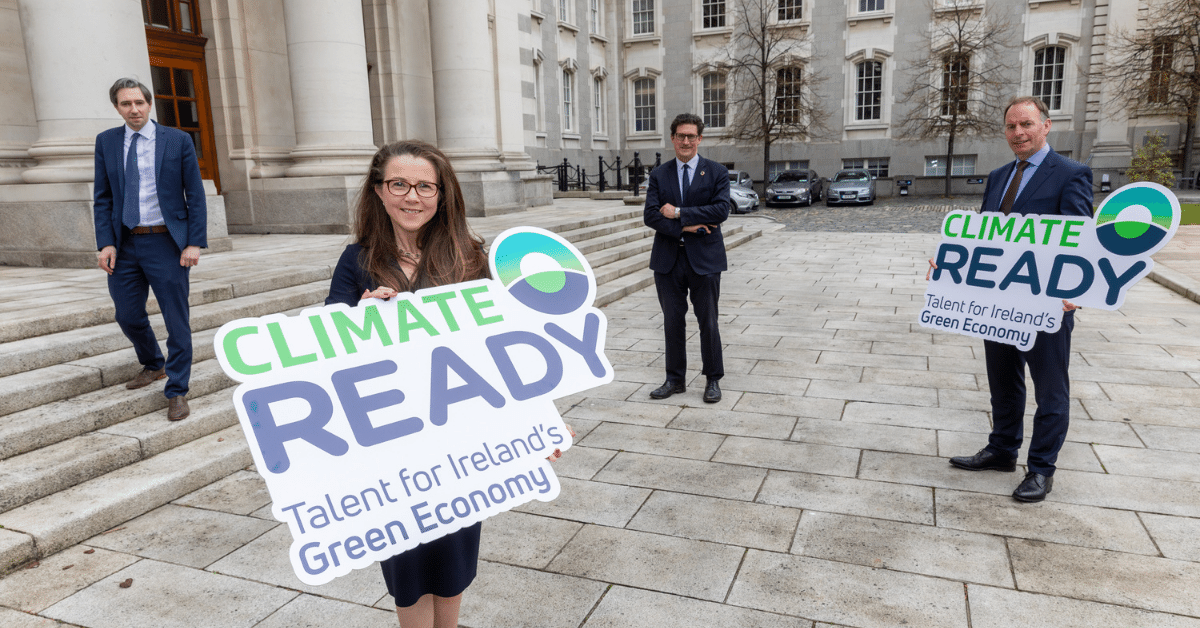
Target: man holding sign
{"x": 1039, "y": 181}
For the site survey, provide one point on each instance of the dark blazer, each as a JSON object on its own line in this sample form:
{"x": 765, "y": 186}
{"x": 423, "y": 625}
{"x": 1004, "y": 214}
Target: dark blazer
{"x": 176, "y": 174}
{"x": 706, "y": 202}
{"x": 1058, "y": 186}
{"x": 349, "y": 279}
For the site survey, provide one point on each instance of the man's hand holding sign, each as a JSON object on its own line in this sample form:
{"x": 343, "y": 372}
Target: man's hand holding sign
{"x": 1014, "y": 274}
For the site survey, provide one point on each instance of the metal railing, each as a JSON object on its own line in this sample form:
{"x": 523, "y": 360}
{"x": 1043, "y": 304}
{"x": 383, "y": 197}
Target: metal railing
{"x": 628, "y": 177}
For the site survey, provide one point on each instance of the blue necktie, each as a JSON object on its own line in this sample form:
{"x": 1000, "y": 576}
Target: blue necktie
{"x": 132, "y": 214}
{"x": 686, "y": 182}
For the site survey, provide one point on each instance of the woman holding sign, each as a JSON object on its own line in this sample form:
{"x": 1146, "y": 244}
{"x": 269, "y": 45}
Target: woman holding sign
{"x": 411, "y": 233}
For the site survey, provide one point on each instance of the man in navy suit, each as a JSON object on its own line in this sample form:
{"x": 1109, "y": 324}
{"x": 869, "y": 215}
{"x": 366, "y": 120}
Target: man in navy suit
{"x": 687, "y": 199}
{"x": 1040, "y": 181}
{"x": 151, "y": 222}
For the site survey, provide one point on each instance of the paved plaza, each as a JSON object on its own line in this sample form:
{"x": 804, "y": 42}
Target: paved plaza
{"x": 817, "y": 493}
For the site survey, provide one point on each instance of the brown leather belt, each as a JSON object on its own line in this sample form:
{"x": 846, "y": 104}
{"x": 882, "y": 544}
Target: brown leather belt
{"x": 146, "y": 230}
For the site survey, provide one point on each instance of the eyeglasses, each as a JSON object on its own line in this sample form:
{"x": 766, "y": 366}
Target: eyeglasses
{"x": 400, "y": 187}
{"x": 686, "y": 138}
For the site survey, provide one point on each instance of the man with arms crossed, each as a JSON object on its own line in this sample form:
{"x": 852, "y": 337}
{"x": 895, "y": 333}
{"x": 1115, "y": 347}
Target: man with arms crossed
{"x": 687, "y": 199}
{"x": 1039, "y": 181}
{"x": 151, "y": 221}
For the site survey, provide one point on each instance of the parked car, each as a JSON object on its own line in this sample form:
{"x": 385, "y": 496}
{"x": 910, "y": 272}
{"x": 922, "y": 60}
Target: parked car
{"x": 742, "y": 178}
{"x": 745, "y": 200}
{"x": 851, "y": 187}
{"x": 795, "y": 187}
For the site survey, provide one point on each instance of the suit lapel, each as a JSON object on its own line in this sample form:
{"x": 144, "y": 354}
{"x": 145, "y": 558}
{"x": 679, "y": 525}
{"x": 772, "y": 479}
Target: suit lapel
{"x": 1040, "y": 174}
{"x": 160, "y": 149}
{"x": 117, "y": 156}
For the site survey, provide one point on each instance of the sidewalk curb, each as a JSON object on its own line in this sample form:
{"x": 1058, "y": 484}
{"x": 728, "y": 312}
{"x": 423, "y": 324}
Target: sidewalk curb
{"x": 1176, "y": 281}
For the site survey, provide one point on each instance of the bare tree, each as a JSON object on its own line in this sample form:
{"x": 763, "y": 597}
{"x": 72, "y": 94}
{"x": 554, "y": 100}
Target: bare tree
{"x": 957, "y": 88}
{"x": 1156, "y": 68}
{"x": 771, "y": 86}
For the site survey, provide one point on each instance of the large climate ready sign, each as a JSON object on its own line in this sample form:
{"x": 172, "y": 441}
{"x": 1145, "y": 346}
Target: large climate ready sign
{"x": 397, "y": 422}
{"x": 1004, "y": 278}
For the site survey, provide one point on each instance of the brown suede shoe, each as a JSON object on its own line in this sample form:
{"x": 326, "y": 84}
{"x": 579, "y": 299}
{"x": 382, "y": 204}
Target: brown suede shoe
{"x": 145, "y": 377}
{"x": 177, "y": 408}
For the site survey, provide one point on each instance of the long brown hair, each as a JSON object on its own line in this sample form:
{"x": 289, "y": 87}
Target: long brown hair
{"x": 450, "y": 253}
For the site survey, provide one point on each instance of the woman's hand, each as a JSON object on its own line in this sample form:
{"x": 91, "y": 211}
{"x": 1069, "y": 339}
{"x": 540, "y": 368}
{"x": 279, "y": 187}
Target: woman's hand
{"x": 382, "y": 292}
{"x": 558, "y": 452}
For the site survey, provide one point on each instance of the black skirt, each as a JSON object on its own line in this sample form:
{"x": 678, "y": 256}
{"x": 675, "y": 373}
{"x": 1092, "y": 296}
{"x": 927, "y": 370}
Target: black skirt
{"x": 444, "y": 567}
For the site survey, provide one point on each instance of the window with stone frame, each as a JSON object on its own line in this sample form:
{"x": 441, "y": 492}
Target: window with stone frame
{"x": 868, "y": 91}
{"x": 713, "y": 13}
{"x": 712, "y": 99}
{"x": 1049, "y": 66}
{"x": 956, "y": 74}
{"x": 645, "y": 114}
{"x": 643, "y": 17}
{"x": 788, "y": 82}
{"x": 790, "y": 10}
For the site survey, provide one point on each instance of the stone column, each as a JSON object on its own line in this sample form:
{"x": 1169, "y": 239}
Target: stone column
{"x": 18, "y": 125}
{"x": 464, "y": 83}
{"x": 327, "y": 61}
{"x": 75, "y": 54}
{"x": 1111, "y": 150}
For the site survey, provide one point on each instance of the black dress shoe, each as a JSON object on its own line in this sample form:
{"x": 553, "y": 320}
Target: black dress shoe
{"x": 666, "y": 390}
{"x": 984, "y": 461}
{"x": 1034, "y": 488}
{"x": 712, "y": 392}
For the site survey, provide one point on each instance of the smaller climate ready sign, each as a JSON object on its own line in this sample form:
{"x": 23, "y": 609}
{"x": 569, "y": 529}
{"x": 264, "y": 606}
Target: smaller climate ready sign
{"x": 1004, "y": 278}
{"x": 396, "y": 422}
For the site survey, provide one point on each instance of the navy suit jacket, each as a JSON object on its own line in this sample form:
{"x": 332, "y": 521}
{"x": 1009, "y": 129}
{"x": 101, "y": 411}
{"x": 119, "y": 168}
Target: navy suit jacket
{"x": 706, "y": 202}
{"x": 1058, "y": 186}
{"x": 176, "y": 175}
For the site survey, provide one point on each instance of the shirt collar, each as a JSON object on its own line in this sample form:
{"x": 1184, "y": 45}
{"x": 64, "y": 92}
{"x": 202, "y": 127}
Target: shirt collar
{"x": 691, "y": 163}
{"x": 1036, "y": 159}
{"x": 147, "y": 131}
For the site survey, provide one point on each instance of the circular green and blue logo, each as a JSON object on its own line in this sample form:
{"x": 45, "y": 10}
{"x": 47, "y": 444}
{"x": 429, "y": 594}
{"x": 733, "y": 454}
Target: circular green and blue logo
{"x": 542, "y": 271}
{"x": 1137, "y": 219}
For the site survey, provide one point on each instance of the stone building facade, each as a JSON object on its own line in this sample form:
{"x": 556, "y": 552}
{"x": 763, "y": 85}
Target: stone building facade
{"x": 287, "y": 99}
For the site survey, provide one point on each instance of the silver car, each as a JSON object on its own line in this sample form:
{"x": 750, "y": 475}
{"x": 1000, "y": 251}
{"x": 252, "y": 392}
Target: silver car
{"x": 794, "y": 187}
{"x": 851, "y": 187}
{"x": 743, "y": 198}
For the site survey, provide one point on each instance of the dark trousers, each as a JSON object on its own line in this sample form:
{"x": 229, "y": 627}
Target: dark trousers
{"x": 145, "y": 262}
{"x": 1048, "y": 362}
{"x": 674, "y": 288}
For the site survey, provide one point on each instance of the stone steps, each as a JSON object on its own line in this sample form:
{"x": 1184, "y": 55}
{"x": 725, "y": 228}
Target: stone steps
{"x": 80, "y": 454}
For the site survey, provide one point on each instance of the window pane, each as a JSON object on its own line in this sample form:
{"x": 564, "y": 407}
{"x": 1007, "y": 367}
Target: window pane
{"x": 713, "y": 100}
{"x": 184, "y": 86}
{"x": 189, "y": 116}
{"x": 160, "y": 13}
{"x": 787, "y": 95}
{"x": 1161, "y": 60}
{"x": 566, "y": 86}
{"x": 1048, "y": 70}
{"x": 869, "y": 91}
{"x": 955, "y": 83}
{"x": 166, "y": 112}
{"x": 199, "y": 147}
{"x": 185, "y": 16}
{"x": 870, "y": 5}
{"x": 643, "y": 105}
{"x": 643, "y": 17}
{"x": 789, "y": 10}
{"x": 714, "y": 13}
{"x": 161, "y": 79}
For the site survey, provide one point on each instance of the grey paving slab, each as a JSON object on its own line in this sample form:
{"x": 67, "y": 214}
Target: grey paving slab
{"x": 1003, "y": 608}
{"x": 46, "y": 582}
{"x": 1146, "y": 582}
{"x": 698, "y": 569}
{"x": 804, "y": 370}
{"x": 910, "y": 470}
{"x": 186, "y": 536}
{"x": 713, "y": 479}
{"x": 789, "y": 456}
{"x": 879, "y": 393}
{"x": 310, "y": 611}
{"x": 623, "y": 412}
{"x": 1152, "y": 395}
{"x": 826, "y": 493}
{"x": 578, "y": 501}
{"x": 866, "y": 436}
{"x": 835, "y": 592}
{"x": 925, "y": 350}
{"x": 914, "y": 416}
{"x": 1140, "y": 413}
{"x": 582, "y": 463}
{"x": 759, "y": 383}
{"x": 1176, "y": 537}
{"x": 17, "y": 619}
{"x": 1072, "y": 455}
{"x": 654, "y": 440}
{"x": 882, "y": 544}
{"x": 790, "y": 405}
{"x": 1168, "y": 465}
{"x": 726, "y": 521}
{"x": 174, "y": 596}
{"x": 919, "y": 378}
{"x": 1070, "y": 524}
{"x": 1167, "y": 497}
{"x": 240, "y": 494}
{"x": 1084, "y": 430}
{"x": 265, "y": 559}
{"x": 624, "y": 607}
{"x": 503, "y": 596}
{"x": 733, "y": 423}
{"x": 1169, "y": 438}
{"x": 525, "y": 540}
